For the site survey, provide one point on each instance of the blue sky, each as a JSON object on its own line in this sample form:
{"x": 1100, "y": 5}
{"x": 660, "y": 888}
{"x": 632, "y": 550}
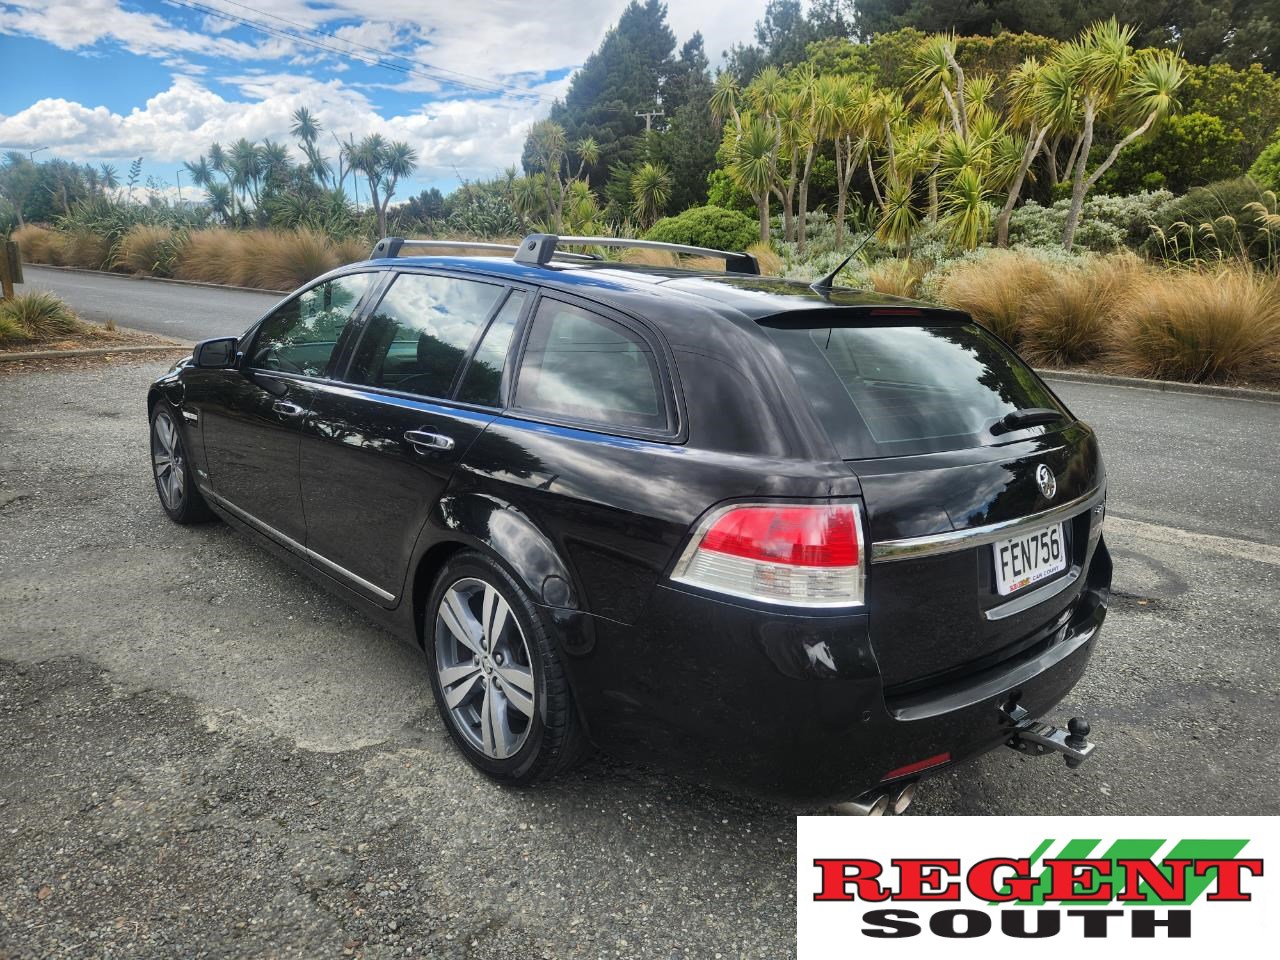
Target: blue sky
{"x": 110, "y": 80}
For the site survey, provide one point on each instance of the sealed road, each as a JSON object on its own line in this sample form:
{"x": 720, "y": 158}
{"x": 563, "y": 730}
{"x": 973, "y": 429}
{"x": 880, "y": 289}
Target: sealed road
{"x": 202, "y": 753}
{"x": 177, "y": 310}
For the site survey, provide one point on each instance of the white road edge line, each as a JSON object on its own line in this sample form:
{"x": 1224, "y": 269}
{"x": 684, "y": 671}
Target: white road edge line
{"x": 1228, "y": 546}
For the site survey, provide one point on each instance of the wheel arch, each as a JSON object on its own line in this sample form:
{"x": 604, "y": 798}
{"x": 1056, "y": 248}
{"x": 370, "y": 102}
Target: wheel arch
{"x": 504, "y": 534}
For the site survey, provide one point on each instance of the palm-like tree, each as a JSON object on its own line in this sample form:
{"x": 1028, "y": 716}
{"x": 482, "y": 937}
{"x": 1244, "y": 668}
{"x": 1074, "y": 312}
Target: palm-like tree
{"x": 1109, "y": 80}
{"x": 650, "y": 191}
{"x": 221, "y": 200}
{"x": 245, "y": 162}
{"x": 307, "y": 128}
{"x": 200, "y": 172}
{"x": 753, "y": 163}
{"x": 109, "y": 177}
{"x": 968, "y": 213}
{"x": 273, "y": 158}
{"x": 384, "y": 164}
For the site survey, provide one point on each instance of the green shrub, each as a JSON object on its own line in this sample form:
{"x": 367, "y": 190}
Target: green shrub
{"x": 40, "y": 315}
{"x": 1266, "y": 169}
{"x": 1107, "y": 223}
{"x": 707, "y": 227}
{"x": 1189, "y": 150}
{"x": 1216, "y": 221}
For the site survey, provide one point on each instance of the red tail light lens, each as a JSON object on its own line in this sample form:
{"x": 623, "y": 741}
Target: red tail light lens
{"x": 794, "y": 554}
{"x": 802, "y": 536}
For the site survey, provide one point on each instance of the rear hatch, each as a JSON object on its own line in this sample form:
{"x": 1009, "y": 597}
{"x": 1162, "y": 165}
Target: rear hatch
{"x": 977, "y": 483}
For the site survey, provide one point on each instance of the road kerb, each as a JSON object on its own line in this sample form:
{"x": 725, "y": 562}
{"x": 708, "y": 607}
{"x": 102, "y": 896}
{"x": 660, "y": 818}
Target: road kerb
{"x": 91, "y": 352}
{"x": 1168, "y": 386}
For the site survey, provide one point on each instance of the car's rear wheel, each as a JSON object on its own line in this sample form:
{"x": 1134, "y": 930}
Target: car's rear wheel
{"x": 172, "y": 471}
{"x": 497, "y": 675}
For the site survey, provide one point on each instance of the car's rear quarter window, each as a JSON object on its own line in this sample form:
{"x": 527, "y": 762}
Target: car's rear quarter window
{"x": 899, "y": 390}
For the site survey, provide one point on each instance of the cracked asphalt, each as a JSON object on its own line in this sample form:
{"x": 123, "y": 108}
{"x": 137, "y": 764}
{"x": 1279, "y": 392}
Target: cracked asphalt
{"x": 202, "y": 754}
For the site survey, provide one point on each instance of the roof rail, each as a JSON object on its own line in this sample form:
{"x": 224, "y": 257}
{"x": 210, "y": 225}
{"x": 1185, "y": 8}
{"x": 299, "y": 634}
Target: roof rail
{"x": 538, "y": 249}
{"x": 390, "y": 247}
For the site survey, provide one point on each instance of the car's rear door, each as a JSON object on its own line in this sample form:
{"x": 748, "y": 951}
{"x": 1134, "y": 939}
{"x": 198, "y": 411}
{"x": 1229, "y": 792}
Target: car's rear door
{"x": 380, "y": 443}
{"x": 981, "y": 529}
{"x": 250, "y": 417}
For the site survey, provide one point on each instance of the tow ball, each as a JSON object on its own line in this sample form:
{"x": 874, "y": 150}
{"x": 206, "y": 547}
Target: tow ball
{"x": 1037, "y": 738}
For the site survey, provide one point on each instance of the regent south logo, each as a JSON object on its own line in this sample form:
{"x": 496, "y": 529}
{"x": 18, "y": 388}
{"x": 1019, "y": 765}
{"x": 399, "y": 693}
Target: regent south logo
{"x": 970, "y": 882}
{"x": 1032, "y": 895}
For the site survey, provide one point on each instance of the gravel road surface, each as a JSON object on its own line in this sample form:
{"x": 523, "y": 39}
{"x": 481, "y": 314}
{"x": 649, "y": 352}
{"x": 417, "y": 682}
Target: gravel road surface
{"x": 204, "y": 755}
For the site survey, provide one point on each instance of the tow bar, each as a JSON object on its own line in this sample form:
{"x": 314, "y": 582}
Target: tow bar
{"x": 1037, "y": 738}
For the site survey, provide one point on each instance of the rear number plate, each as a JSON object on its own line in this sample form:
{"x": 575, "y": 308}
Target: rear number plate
{"x": 1030, "y": 558}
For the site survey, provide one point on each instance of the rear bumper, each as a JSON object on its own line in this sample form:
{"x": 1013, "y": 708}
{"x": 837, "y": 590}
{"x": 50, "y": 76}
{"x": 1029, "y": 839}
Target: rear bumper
{"x": 794, "y": 707}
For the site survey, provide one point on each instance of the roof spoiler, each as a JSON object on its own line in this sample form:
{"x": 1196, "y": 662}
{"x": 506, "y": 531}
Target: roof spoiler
{"x": 537, "y": 249}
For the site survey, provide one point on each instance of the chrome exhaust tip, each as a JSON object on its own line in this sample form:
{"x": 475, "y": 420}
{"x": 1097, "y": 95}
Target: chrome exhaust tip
{"x": 903, "y": 797}
{"x": 867, "y": 805}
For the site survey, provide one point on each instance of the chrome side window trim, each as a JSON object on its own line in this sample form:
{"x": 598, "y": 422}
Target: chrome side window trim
{"x": 886, "y": 551}
{"x": 294, "y": 545}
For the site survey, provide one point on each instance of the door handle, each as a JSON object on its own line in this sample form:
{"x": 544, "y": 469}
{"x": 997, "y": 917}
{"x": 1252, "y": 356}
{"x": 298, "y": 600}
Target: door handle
{"x": 424, "y": 440}
{"x": 287, "y": 408}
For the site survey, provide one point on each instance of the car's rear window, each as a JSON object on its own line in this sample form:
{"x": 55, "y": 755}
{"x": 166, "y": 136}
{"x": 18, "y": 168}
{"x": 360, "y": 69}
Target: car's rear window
{"x": 886, "y": 391}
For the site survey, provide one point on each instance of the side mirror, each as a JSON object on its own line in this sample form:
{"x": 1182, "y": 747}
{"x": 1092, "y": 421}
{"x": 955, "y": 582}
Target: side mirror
{"x": 218, "y": 353}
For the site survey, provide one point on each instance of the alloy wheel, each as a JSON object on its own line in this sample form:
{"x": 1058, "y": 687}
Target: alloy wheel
{"x": 166, "y": 458}
{"x": 484, "y": 668}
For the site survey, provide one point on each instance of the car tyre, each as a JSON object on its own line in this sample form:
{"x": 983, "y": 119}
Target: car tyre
{"x": 497, "y": 675}
{"x": 171, "y": 470}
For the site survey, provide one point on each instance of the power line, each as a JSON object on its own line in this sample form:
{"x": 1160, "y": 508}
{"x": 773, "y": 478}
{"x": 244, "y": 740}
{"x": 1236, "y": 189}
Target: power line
{"x": 368, "y": 60}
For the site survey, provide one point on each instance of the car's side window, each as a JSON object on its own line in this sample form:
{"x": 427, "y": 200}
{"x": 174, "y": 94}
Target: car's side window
{"x": 482, "y": 383}
{"x": 580, "y": 365}
{"x": 421, "y": 332}
{"x": 302, "y": 335}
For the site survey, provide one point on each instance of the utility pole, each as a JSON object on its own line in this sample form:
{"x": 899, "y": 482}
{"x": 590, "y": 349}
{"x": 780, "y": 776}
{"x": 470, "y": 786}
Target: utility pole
{"x": 648, "y": 117}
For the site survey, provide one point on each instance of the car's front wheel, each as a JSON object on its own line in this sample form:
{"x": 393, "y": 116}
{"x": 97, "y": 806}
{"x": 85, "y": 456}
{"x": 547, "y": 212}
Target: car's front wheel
{"x": 497, "y": 676}
{"x": 172, "y": 470}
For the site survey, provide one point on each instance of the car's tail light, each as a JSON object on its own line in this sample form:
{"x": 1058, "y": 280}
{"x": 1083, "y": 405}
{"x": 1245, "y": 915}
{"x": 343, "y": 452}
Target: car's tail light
{"x": 801, "y": 555}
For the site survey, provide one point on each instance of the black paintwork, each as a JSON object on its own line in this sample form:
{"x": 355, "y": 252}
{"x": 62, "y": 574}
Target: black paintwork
{"x": 776, "y": 701}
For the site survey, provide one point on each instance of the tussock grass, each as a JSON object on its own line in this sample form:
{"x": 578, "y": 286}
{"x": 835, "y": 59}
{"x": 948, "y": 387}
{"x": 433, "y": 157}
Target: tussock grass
{"x": 281, "y": 259}
{"x": 352, "y": 250}
{"x": 995, "y": 290}
{"x": 11, "y": 331}
{"x": 1202, "y": 325}
{"x": 206, "y": 256}
{"x": 84, "y": 248}
{"x": 40, "y": 315}
{"x": 642, "y": 256}
{"x": 899, "y": 278}
{"x": 770, "y": 262}
{"x": 149, "y": 249}
{"x": 704, "y": 264}
{"x": 39, "y": 244}
{"x": 1075, "y": 315}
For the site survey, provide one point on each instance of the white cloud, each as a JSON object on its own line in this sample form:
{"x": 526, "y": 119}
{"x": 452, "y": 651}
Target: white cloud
{"x": 504, "y": 44}
{"x": 77, "y": 24}
{"x": 475, "y": 136}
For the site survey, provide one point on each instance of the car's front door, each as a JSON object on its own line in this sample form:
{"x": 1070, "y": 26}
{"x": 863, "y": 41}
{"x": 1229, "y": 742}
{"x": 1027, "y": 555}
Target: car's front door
{"x": 251, "y": 417}
{"x": 379, "y": 447}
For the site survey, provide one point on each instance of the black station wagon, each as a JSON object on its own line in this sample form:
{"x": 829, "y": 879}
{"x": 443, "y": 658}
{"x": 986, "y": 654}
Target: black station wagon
{"x": 803, "y": 541}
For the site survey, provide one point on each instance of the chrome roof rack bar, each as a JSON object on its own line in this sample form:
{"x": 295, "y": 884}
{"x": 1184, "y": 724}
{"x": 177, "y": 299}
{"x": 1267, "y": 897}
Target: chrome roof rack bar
{"x": 390, "y": 248}
{"x": 537, "y": 249}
